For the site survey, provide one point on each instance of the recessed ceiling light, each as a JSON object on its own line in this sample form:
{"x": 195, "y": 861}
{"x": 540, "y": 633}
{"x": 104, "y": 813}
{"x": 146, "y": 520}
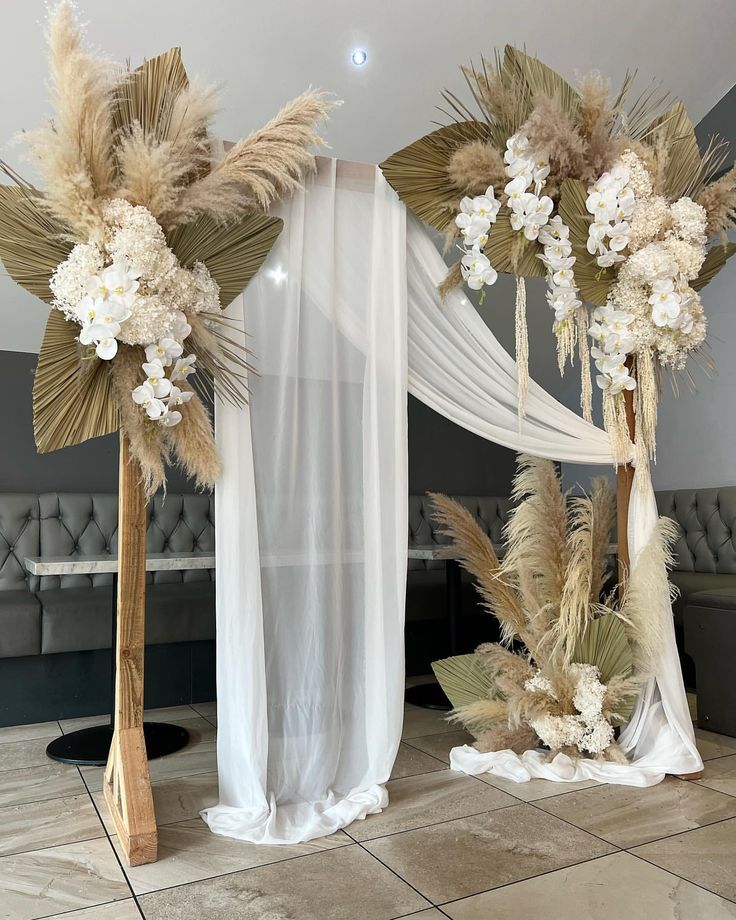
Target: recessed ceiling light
{"x": 358, "y": 57}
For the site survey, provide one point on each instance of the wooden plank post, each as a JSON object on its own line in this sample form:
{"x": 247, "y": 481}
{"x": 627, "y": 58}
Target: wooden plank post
{"x": 127, "y": 781}
{"x": 624, "y": 481}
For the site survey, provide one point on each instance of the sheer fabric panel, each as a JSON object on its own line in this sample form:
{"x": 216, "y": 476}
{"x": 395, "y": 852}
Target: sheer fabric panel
{"x": 312, "y": 521}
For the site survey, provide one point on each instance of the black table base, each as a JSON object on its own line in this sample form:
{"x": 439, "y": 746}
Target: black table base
{"x": 90, "y": 746}
{"x": 428, "y": 696}
{"x": 432, "y": 696}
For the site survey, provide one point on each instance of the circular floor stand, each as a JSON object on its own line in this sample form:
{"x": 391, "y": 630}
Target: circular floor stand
{"x": 89, "y": 747}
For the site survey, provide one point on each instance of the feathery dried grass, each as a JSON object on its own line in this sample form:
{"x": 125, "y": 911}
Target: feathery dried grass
{"x": 475, "y": 166}
{"x": 719, "y": 201}
{"x": 503, "y": 738}
{"x": 641, "y": 610}
{"x": 475, "y": 552}
{"x": 192, "y": 444}
{"x": 552, "y": 131}
{"x": 575, "y": 604}
{"x": 482, "y": 715}
{"x": 452, "y": 280}
{"x": 73, "y": 152}
{"x": 603, "y": 507}
{"x": 261, "y": 168}
{"x": 146, "y": 443}
{"x": 536, "y": 533}
{"x": 150, "y": 175}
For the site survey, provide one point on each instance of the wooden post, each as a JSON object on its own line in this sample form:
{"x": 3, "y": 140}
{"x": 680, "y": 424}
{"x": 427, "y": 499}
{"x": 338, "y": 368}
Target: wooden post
{"x": 127, "y": 781}
{"x": 624, "y": 480}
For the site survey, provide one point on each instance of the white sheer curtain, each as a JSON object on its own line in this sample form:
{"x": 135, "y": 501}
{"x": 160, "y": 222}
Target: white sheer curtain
{"x": 457, "y": 366}
{"x": 312, "y": 522}
{"x": 311, "y": 517}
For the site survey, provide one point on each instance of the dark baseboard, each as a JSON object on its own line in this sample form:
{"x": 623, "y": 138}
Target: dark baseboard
{"x": 43, "y": 688}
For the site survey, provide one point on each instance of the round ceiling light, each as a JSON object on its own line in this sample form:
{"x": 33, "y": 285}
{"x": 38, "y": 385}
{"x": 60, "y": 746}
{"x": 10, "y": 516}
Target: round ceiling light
{"x": 358, "y": 56}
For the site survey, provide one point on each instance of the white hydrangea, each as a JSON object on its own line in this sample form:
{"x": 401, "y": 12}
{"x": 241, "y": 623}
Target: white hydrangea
{"x": 689, "y": 220}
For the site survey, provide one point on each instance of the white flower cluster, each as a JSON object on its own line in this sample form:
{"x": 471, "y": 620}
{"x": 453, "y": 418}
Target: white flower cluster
{"x": 611, "y": 331}
{"x": 562, "y": 295}
{"x": 130, "y": 288}
{"x": 529, "y": 211}
{"x": 159, "y": 395}
{"x": 474, "y": 220}
{"x": 611, "y": 202}
{"x": 588, "y": 730}
{"x": 652, "y": 297}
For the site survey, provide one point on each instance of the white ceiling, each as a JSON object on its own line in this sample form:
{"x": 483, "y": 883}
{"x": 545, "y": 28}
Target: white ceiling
{"x": 266, "y": 53}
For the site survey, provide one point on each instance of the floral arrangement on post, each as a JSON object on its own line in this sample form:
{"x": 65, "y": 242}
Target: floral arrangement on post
{"x": 141, "y": 234}
{"x": 607, "y": 196}
{"x": 572, "y": 659}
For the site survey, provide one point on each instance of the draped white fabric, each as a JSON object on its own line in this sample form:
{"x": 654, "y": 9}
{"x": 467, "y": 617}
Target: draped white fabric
{"x": 312, "y": 521}
{"x": 311, "y": 516}
{"x": 457, "y": 366}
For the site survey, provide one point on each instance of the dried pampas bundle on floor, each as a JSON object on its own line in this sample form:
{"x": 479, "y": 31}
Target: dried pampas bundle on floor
{"x": 579, "y": 661}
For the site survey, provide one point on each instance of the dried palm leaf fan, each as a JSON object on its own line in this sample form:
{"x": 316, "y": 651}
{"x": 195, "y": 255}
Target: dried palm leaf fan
{"x": 133, "y": 191}
{"x": 571, "y": 660}
{"x": 607, "y": 194}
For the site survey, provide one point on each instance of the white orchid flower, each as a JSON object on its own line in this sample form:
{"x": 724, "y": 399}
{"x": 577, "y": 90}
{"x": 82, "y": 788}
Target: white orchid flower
{"x": 166, "y": 351}
{"x": 607, "y": 259}
{"x": 563, "y": 276}
{"x": 180, "y": 328}
{"x": 156, "y": 378}
{"x": 554, "y": 232}
{"x": 597, "y": 232}
{"x": 477, "y": 270}
{"x": 88, "y": 308}
{"x": 516, "y": 189}
{"x": 619, "y": 236}
{"x": 475, "y": 231}
{"x": 684, "y": 322}
{"x": 619, "y": 175}
{"x": 107, "y": 348}
{"x": 145, "y": 396}
{"x": 170, "y": 418}
{"x": 626, "y": 203}
{"x": 609, "y": 385}
{"x": 602, "y": 205}
{"x": 178, "y": 397}
{"x": 114, "y": 283}
{"x": 516, "y": 146}
{"x": 666, "y": 311}
{"x": 112, "y": 313}
{"x": 96, "y": 332}
{"x": 486, "y": 205}
{"x": 183, "y": 367}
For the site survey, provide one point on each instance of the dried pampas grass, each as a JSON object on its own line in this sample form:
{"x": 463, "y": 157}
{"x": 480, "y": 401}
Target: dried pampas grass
{"x": 719, "y": 201}
{"x": 264, "y": 166}
{"x": 475, "y": 166}
{"x": 503, "y": 738}
{"x": 146, "y": 443}
{"x": 192, "y": 444}
{"x": 74, "y": 152}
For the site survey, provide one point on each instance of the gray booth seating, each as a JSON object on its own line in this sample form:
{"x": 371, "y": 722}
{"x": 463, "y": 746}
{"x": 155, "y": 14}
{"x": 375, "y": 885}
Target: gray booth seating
{"x": 426, "y": 614}
{"x": 705, "y": 612}
{"x": 55, "y": 632}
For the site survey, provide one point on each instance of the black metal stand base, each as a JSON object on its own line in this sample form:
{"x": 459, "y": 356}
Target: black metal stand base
{"x": 428, "y": 696}
{"x": 89, "y": 747}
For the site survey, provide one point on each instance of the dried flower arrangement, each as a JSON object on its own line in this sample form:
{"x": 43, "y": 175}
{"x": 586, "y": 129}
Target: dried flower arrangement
{"x": 139, "y": 237}
{"x": 607, "y": 196}
{"x": 572, "y": 658}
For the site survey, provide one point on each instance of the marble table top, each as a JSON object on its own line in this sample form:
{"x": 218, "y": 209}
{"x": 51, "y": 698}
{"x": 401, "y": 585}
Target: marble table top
{"x": 105, "y": 564}
{"x": 436, "y": 551}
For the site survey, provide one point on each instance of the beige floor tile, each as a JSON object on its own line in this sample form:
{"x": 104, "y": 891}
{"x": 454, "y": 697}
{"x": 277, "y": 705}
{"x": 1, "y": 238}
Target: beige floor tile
{"x": 410, "y": 762}
{"x": 29, "y": 732}
{"x": 59, "y": 879}
{"x": 35, "y": 784}
{"x": 178, "y": 799}
{"x": 628, "y": 816}
{"x": 421, "y": 800}
{"x": 720, "y": 774}
{"x": 190, "y": 852}
{"x": 440, "y": 745}
{"x": 47, "y": 824}
{"x": 168, "y": 714}
{"x": 431, "y": 914}
{"x": 706, "y": 856}
{"x": 418, "y": 722}
{"x": 197, "y": 758}
{"x": 341, "y": 884}
{"x": 17, "y": 755}
{"x": 612, "y": 888}
{"x": 712, "y": 745}
{"x": 117, "y": 910}
{"x": 208, "y": 710}
{"x": 535, "y": 789}
{"x": 464, "y": 857}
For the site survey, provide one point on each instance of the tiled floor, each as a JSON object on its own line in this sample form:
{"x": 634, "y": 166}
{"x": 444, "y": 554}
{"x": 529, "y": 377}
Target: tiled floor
{"x": 448, "y": 845}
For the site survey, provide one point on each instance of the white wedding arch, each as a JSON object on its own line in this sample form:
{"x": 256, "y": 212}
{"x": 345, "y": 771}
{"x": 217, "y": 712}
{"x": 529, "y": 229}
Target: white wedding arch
{"x": 344, "y": 318}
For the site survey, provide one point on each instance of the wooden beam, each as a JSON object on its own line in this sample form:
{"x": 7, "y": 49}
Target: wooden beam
{"x": 127, "y": 781}
{"x": 624, "y": 481}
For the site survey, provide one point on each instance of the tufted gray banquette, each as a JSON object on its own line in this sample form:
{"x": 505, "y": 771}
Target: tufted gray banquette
{"x": 72, "y": 612}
